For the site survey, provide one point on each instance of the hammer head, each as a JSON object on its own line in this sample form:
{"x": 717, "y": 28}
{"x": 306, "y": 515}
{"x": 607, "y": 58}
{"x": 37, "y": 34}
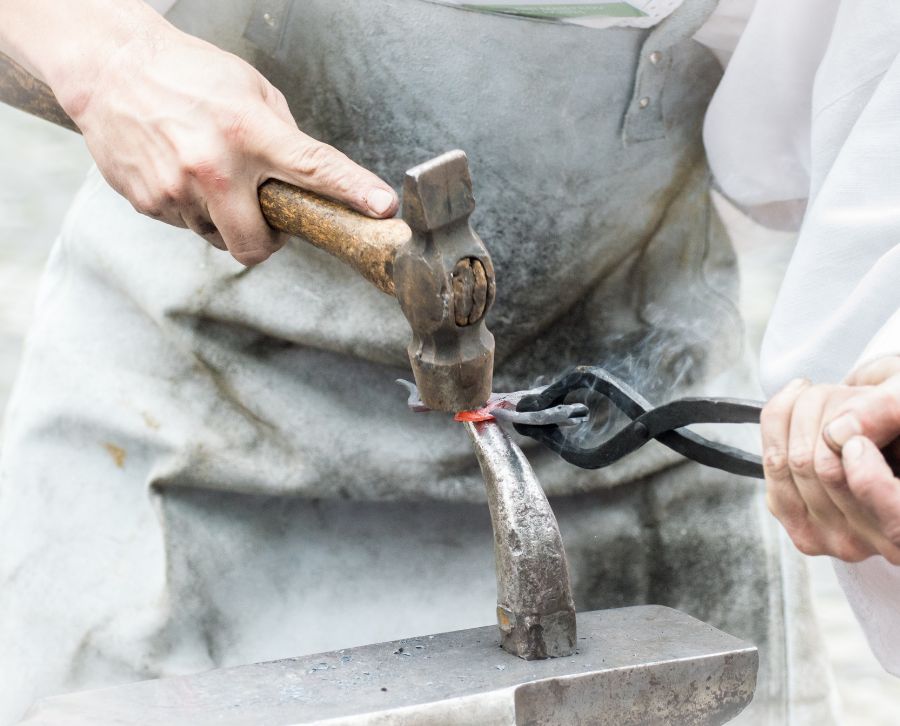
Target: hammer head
{"x": 444, "y": 281}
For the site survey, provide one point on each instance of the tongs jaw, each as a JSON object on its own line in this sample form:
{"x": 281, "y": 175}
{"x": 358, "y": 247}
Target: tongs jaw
{"x": 661, "y": 423}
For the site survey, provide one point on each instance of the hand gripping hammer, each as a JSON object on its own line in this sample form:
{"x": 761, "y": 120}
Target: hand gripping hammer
{"x": 431, "y": 261}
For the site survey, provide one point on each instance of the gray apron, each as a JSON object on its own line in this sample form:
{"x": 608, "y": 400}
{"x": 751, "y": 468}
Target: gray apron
{"x": 206, "y": 465}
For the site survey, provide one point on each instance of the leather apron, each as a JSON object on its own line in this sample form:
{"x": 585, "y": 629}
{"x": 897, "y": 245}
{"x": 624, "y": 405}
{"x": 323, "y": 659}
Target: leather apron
{"x": 220, "y": 456}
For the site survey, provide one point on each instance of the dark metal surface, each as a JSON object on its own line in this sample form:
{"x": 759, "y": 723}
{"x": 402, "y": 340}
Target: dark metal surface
{"x": 564, "y": 415}
{"x": 635, "y": 666}
{"x": 535, "y": 609}
{"x": 648, "y": 423}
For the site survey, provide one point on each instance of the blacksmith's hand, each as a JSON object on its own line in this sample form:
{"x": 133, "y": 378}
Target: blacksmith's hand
{"x": 828, "y": 453}
{"x": 185, "y": 131}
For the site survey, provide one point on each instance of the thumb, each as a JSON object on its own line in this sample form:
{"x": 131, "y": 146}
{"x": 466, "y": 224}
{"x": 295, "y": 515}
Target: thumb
{"x": 309, "y": 164}
{"x": 872, "y": 482}
{"x": 875, "y": 372}
{"x": 874, "y": 413}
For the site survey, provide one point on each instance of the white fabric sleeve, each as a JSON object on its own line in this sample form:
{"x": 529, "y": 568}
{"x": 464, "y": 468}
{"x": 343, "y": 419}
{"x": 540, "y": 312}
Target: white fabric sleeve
{"x": 885, "y": 342}
{"x": 757, "y": 130}
{"x": 840, "y": 290}
{"x": 724, "y": 28}
{"x": 872, "y": 588}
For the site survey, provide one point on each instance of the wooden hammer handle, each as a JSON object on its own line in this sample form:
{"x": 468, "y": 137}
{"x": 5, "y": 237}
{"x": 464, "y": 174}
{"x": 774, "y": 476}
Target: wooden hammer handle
{"x": 367, "y": 245}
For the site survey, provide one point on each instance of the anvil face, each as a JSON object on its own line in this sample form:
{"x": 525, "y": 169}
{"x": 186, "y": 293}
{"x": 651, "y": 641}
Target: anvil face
{"x": 640, "y": 665}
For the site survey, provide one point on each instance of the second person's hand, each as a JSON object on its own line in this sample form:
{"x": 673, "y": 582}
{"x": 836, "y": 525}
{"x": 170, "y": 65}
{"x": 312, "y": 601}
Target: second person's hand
{"x": 827, "y": 452}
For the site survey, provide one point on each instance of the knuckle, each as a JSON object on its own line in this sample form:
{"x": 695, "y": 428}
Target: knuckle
{"x": 829, "y": 470}
{"x": 775, "y": 462}
{"x": 313, "y": 159}
{"x": 207, "y": 171}
{"x": 174, "y": 194}
{"x": 147, "y": 205}
{"x": 800, "y": 459}
{"x": 806, "y": 543}
{"x": 238, "y": 127}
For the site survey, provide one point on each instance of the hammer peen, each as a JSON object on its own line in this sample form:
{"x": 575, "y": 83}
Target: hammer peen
{"x": 432, "y": 261}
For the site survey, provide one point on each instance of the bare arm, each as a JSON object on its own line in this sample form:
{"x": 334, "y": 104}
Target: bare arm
{"x": 185, "y": 131}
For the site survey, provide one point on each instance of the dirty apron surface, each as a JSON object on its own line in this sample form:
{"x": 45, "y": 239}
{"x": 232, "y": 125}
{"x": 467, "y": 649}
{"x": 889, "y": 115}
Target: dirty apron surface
{"x": 206, "y": 465}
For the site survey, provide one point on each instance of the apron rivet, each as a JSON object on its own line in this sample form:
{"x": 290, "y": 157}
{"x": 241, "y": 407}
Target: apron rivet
{"x": 270, "y": 21}
{"x": 644, "y": 102}
{"x": 655, "y": 57}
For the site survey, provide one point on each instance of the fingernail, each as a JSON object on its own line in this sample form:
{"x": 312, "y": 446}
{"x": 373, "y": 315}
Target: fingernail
{"x": 842, "y": 429}
{"x": 379, "y": 201}
{"x": 853, "y": 449}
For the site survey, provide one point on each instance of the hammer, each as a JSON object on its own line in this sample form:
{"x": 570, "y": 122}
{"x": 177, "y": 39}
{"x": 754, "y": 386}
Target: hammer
{"x": 432, "y": 260}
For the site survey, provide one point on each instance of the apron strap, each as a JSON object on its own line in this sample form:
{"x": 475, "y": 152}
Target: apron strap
{"x": 644, "y": 118}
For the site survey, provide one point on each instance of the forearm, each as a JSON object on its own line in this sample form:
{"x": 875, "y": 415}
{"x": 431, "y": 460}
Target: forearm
{"x": 68, "y": 44}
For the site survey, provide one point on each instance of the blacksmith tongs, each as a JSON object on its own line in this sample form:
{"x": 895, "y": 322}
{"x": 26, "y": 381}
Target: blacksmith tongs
{"x": 544, "y": 415}
{"x": 661, "y": 423}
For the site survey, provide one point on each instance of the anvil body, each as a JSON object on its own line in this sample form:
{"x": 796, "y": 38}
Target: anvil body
{"x": 639, "y": 665}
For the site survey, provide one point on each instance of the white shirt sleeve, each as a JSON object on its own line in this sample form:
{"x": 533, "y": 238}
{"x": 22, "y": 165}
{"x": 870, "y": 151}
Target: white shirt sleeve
{"x": 884, "y": 343}
{"x": 757, "y": 129}
{"x": 725, "y": 27}
{"x": 872, "y": 588}
{"x": 840, "y": 291}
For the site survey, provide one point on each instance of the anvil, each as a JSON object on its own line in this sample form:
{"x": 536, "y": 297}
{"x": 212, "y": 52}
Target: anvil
{"x": 633, "y": 666}
{"x": 544, "y": 667}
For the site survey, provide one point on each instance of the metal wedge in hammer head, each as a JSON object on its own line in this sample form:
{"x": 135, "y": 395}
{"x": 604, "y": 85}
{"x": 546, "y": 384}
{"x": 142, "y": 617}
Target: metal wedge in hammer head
{"x": 444, "y": 281}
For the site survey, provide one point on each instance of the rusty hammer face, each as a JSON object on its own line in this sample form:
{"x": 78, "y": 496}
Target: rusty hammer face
{"x": 444, "y": 281}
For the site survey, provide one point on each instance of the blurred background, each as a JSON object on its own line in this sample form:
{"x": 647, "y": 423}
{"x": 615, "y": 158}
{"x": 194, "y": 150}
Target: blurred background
{"x": 41, "y": 167}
